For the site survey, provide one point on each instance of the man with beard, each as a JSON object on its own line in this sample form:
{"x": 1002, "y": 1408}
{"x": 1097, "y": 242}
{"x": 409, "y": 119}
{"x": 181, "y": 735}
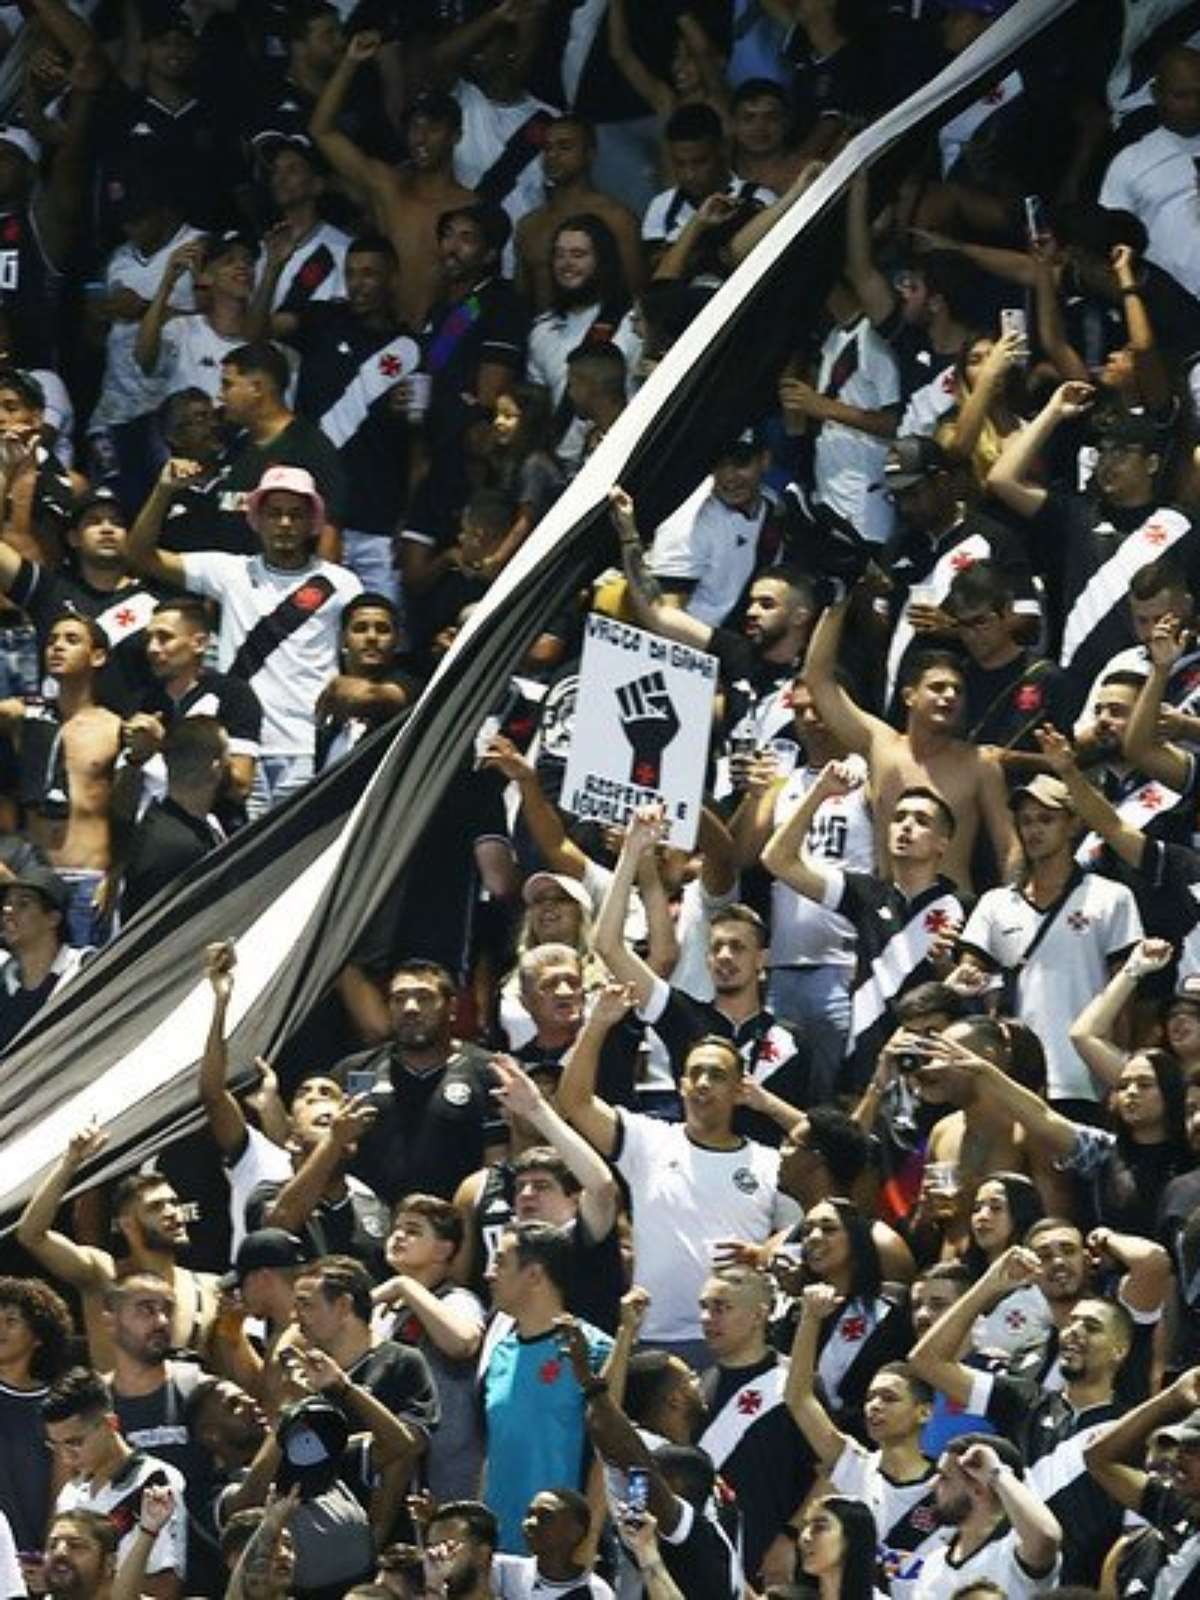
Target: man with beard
{"x": 896, "y": 1478}
{"x": 589, "y": 304}
{"x": 736, "y": 960}
{"x": 1135, "y": 1273}
{"x": 758, "y": 664}
{"x": 80, "y": 1556}
{"x": 566, "y": 168}
{"x": 436, "y": 1120}
{"x": 370, "y": 687}
{"x": 1170, "y": 1504}
{"x": 353, "y": 353}
{"x": 1094, "y": 1342}
{"x": 149, "y": 1220}
{"x": 460, "y": 1542}
{"x": 1002, "y": 1531}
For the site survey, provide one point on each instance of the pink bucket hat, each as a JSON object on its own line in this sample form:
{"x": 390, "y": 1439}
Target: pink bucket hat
{"x": 296, "y": 481}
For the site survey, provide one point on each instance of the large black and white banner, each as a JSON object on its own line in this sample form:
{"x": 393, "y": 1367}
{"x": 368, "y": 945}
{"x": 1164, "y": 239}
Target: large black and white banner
{"x": 123, "y": 1042}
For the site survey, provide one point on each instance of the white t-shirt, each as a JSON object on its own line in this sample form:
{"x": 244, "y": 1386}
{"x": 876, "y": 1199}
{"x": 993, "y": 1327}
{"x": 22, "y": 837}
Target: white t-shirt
{"x": 1019, "y": 1323}
{"x": 997, "y": 1560}
{"x": 517, "y": 1578}
{"x": 487, "y": 128}
{"x": 714, "y": 546}
{"x": 858, "y": 1472}
{"x": 293, "y": 675}
{"x": 803, "y": 933}
{"x": 1156, "y": 180}
{"x": 12, "y": 1579}
{"x": 858, "y": 368}
{"x": 169, "y": 1551}
{"x": 261, "y": 1161}
{"x": 686, "y": 1197}
{"x": 1069, "y": 967}
{"x": 955, "y": 135}
{"x": 191, "y": 354}
{"x": 127, "y": 391}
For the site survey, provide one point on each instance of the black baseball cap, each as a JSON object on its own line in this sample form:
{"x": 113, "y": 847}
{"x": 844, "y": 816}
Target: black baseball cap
{"x": 100, "y": 496}
{"x": 749, "y": 442}
{"x": 911, "y": 460}
{"x": 266, "y": 1247}
{"x": 44, "y": 881}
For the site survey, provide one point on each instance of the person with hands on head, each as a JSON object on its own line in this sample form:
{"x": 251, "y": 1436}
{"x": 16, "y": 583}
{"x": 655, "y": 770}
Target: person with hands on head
{"x": 698, "y": 1554}
{"x": 927, "y": 754}
{"x": 1002, "y": 1530}
{"x": 1095, "y": 542}
{"x": 185, "y": 350}
{"x": 1094, "y": 1342}
{"x": 895, "y": 1479}
{"x": 907, "y": 922}
{"x": 737, "y": 942}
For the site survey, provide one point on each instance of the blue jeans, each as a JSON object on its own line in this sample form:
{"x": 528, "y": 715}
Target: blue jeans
{"x": 372, "y": 560}
{"x": 275, "y": 778}
{"x": 84, "y": 924}
{"x": 816, "y": 1001}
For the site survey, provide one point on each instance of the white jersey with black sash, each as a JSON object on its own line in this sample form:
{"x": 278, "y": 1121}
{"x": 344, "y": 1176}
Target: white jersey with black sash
{"x": 757, "y": 1448}
{"x": 280, "y": 631}
{"x": 894, "y": 938}
{"x": 906, "y": 1520}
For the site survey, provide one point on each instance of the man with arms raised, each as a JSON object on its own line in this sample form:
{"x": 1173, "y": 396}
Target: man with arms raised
{"x": 927, "y": 754}
{"x": 280, "y": 611}
{"x": 691, "y": 1183}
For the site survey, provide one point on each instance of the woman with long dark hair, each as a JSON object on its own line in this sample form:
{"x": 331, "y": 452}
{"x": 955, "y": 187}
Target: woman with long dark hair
{"x": 837, "y": 1548}
{"x": 1005, "y": 1206}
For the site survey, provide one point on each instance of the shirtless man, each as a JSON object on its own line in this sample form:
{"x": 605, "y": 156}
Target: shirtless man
{"x": 566, "y": 164}
{"x": 927, "y": 754}
{"x": 35, "y": 488}
{"x": 148, "y": 1216}
{"x": 67, "y": 751}
{"x": 405, "y": 203}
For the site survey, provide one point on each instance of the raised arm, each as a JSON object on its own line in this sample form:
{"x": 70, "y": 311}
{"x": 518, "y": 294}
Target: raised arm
{"x": 1145, "y": 1267}
{"x": 850, "y": 725}
{"x": 81, "y": 1266}
{"x": 1037, "y": 1529}
{"x": 226, "y": 1120}
{"x": 718, "y": 855}
{"x": 296, "y": 1201}
{"x": 1142, "y": 741}
{"x": 1093, "y": 1029}
{"x": 142, "y": 552}
{"x": 650, "y": 609}
{"x": 608, "y": 936}
{"x": 997, "y": 815}
{"x": 784, "y": 856}
{"x": 875, "y": 293}
{"x": 1107, "y": 1457}
{"x": 1051, "y": 331}
{"x": 599, "y": 1194}
{"x": 935, "y": 1356}
{"x": 187, "y": 257}
{"x": 456, "y": 1334}
{"x": 1153, "y": 380}
{"x": 635, "y": 1303}
{"x": 760, "y": 225}
{"x": 827, "y": 1442}
{"x": 1013, "y": 479}
{"x": 60, "y": 203}
{"x": 658, "y": 95}
{"x": 577, "y": 1097}
{"x": 261, "y": 1549}
{"x": 560, "y": 853}
{"x": 360, "y": 170}
{"x": 960, "y": 439}
{"x": 1057, "y": 1135}
{"x": 1091, "y": 807}
{"x": 155, "y": 1511}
